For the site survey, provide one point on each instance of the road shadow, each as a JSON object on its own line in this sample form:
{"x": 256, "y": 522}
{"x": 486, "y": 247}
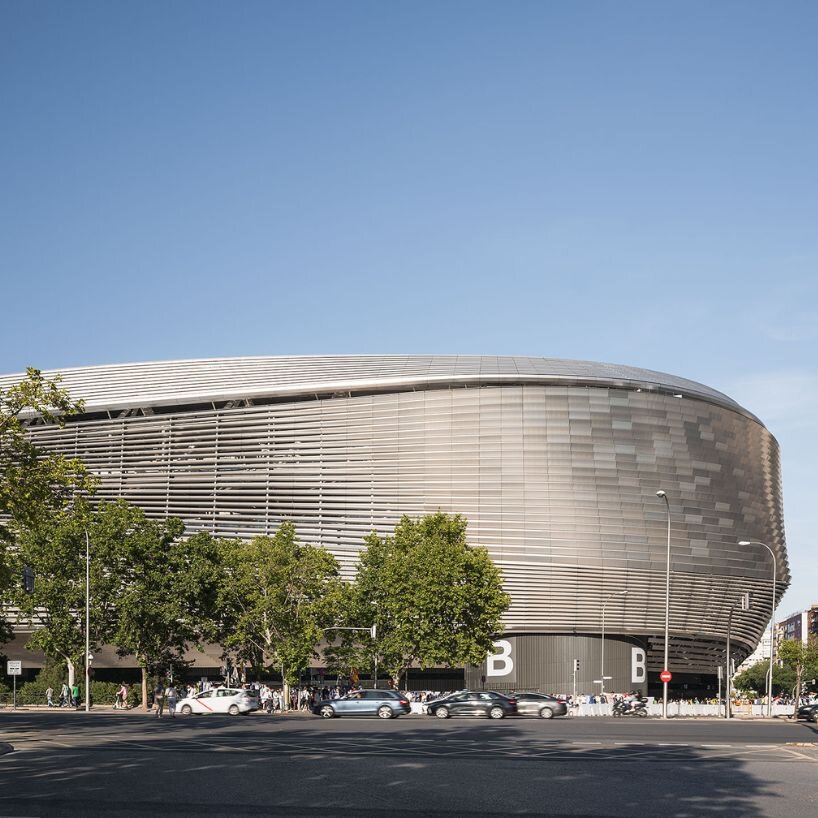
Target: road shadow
{"x": 217, "y": 766}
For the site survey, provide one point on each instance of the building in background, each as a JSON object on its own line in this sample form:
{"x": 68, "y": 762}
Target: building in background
{"x": 555, "y": 463}
{"x": 799, "y": 625}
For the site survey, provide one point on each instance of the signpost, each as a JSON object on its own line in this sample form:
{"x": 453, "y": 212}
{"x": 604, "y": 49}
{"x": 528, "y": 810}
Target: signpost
{"x": 665, "y": 676}
{"x": 14, "y": 668}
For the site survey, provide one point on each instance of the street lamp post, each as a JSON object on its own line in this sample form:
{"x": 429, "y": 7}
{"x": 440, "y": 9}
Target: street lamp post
{"x": 87, "y": 623}
{"x": 602, "y": 651}
{"x": 667, "y": 602}
{"x": 744, "y": 602}
{"x": 772, "y": 624}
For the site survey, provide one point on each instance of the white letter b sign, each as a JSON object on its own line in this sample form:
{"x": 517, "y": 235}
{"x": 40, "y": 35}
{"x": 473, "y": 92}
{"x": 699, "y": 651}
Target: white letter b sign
{"x": 638, "y": 669}
{"x": 500, "y": 663}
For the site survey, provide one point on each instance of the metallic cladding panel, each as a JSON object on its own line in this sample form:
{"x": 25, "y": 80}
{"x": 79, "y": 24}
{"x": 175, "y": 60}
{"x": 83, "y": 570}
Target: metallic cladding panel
{"x": 544, "y": 663}
{"x": 558, "y": 482}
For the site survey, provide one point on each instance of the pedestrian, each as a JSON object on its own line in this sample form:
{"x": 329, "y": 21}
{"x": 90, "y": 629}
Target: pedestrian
{"x": 121, "y": 697}
{"x": 170, "y": 694}
{"x": 75, "y": 695}
{"x": 159, "y": 699}
{"x": 49, "y": 696}
{"x": 65, "y": 693}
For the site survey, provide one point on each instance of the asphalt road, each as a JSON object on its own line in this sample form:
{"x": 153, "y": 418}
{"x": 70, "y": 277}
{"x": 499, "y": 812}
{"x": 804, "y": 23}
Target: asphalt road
{"x": 130, "y": 764}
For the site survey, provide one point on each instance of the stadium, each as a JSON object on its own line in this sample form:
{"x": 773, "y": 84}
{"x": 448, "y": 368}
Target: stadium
{"x": 554, "y": 463}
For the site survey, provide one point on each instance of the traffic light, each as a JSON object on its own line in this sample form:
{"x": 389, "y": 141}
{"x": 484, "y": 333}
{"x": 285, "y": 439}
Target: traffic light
{"x": 745, "y": 601}
{"x": 373, "y": 631}
{"x": 576, "y": 665}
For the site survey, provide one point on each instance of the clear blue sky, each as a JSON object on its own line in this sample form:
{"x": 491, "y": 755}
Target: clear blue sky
{"x": 617, "y": 181}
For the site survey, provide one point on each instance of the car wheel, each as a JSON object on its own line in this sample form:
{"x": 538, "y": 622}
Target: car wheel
{"x": 233, "y": 710}
{"x": 186, "y": 711}
{"x": 442, "y": 712}
{"x": 496, "y": 713}
{"x": 327, "y": 712}
{"x": 385, "y": 712}
{"x": 546, "y": 713}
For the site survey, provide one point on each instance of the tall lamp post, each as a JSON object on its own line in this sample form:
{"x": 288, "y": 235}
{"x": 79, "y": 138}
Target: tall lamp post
{"x": 602, "y": 652}
{"x": 744, "y": 602}
{"x": 667, "y": 602}
{"x": 87, "y": 623}
{"x": 772, "y": 623}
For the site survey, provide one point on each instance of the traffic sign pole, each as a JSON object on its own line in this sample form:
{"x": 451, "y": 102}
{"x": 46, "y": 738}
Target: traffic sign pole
{"x": 14, "y": 668}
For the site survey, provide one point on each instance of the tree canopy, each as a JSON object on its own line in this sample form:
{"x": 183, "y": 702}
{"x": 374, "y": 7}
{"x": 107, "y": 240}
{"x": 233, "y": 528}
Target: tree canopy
{"x": 33, "y": 483}
{"x": 802, "y": 660}
{"x": 276, "y": 597}
{"x": 754, "y": 678}
{"x": 433, "y": 599}
{"x": 166, "y": 591}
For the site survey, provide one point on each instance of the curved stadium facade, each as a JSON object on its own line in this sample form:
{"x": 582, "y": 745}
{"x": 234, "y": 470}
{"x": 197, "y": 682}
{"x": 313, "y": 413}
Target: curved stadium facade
{"x": 555, "y": 464}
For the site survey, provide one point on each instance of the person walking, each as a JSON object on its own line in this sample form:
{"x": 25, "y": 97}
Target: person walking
{"x": 65, "y": 694}
{"x": 121, "y": 698}
{"x": 159, "y": 699}
{"x": 75, "y": 695}
{"x": 49, "y": 696}
{"x": 170, "y": 694}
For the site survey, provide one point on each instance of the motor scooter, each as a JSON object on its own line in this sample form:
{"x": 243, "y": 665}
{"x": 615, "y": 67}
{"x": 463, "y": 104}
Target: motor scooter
{"x": 635, "y": 707}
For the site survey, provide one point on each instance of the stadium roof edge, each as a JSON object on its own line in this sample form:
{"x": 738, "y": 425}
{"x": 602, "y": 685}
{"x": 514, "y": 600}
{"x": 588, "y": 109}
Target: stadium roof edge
{"x": 115, "y": 387}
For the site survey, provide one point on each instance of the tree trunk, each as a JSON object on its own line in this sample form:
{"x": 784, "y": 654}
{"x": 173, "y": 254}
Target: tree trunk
{"x": 145, "y": 689}
{"x": 71, "y": 671}
{"x": 286, "y": 688}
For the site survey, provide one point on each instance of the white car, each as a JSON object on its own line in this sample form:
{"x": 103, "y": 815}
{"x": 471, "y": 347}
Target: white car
{"x": 218, "y": 700}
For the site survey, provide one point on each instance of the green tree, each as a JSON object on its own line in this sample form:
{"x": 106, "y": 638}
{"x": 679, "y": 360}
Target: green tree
{"x": 277, "y": 595}
{"x": 166, "y": 592}
{"x": 55, "y": 548}
{"x": 33, "y": 483}
{"x": 434, "y": 599}
{"x": 754, "y": 678}
{"x": 802, "y": 660}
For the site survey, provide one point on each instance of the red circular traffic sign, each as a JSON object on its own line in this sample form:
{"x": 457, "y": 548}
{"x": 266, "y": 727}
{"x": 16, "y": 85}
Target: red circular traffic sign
{"x": 665, "y": 675}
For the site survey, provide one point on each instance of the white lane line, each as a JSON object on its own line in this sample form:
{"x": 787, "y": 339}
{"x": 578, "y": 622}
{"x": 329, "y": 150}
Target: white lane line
{"x": 715, "y": 745}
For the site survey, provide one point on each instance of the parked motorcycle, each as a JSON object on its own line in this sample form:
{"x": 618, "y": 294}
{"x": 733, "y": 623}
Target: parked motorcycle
{"x": 635, "y": 707}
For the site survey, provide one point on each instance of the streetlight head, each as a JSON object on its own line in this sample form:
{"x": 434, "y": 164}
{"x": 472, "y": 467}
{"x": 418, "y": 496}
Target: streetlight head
{"x": 660, "y": 493}
{"x": 745, "y": 542}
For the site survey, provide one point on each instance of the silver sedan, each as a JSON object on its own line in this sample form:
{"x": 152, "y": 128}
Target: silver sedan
{"x": 540, "y": 704}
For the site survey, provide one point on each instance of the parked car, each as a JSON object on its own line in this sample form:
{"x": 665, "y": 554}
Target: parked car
{"x": 386, "y": 704}
{"x": 473, "y": 703}
{"x": 218, "y": 700}
{"x": 808, "y": 712}
{"x": 540, "y": 704}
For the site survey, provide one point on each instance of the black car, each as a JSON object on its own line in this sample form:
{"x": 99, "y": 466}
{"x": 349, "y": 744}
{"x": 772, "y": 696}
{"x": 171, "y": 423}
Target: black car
{"x": 540, "y": 704}
{"x": 808, "y": 712}
{"x": 386, "y": 704}
{"x": 473, "y": 703}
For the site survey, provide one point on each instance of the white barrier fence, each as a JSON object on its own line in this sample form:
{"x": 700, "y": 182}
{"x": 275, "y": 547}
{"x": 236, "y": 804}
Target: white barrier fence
{"x": 673, "y": 709}
{"x": 685, "y": 709}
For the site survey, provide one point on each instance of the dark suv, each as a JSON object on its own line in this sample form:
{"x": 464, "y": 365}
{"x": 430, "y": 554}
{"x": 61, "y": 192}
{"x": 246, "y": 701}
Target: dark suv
{"x": 386, "y": 704}
{"x": 473, "y": 703}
